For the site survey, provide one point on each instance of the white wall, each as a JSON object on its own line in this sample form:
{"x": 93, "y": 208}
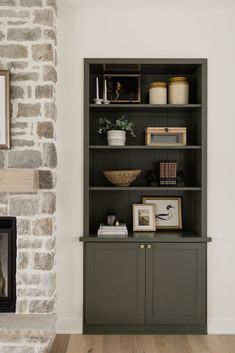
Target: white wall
{"x": 148, "y": 32}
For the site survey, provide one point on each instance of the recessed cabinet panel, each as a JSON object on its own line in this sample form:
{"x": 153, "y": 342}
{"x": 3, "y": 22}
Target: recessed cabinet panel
{"x": 143, "y": 120}
{"x": 187, "y": 160}
{"x": 102, "y": 202}
{"x": 176, "y": 275}
{"x": 115, "y": 284}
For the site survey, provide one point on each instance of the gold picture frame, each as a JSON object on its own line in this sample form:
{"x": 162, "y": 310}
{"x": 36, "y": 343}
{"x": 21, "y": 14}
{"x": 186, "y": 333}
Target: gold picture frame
{"x": 168, "y": 211}
{"x": 166, "y": 136}
{"x": 4, "y": 109}
{"x": 143, "y": 218}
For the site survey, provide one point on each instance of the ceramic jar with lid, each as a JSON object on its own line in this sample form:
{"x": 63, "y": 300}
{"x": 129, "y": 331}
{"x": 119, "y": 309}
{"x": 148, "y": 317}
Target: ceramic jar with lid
{"x": 158, "y": 93}
{"x": 178, "y": 90}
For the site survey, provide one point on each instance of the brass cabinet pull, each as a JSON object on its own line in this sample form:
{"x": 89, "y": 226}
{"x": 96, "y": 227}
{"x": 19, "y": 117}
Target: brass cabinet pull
{"x": 149, "y": 246}
{"x": 141, "y": 246}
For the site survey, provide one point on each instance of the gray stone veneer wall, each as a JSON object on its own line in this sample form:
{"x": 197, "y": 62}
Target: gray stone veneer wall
{"x": 28, "y": 49}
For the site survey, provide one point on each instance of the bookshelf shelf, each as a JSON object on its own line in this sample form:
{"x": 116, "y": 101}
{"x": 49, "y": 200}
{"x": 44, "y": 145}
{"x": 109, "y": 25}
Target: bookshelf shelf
{"x": 144, "y": 107}
{"x": 144, "y": 188}
{"x": 133, "y": 147}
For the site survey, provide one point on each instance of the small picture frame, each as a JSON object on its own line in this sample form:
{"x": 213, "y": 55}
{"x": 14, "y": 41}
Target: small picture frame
{"x": 4, "y": 109}
{"x": 168, "y": 211}
{"x": 143, "y": 218}
{"x": 123, "y": 88}
{"x": 166, "y": 136}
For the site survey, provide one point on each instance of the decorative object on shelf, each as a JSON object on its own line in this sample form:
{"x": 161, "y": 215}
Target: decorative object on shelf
{"x": 116, "y": 132}
{"x": 97, "y": 100}
{"x": 123, "y": 88}
{"x": 167, "y": 172}
{"x": 4, "y": 109}
{"x": 143, "y": 217}
{"x": 112, "y": 231}
{"x": 178, "y": 90}
{"x": 180, "y": 178}
{"x": 105, "y": 99}
{"x": 110, "y": 219}
{"x": 168, "y": 211}
{"x": 116, "y": 137}
{"x": 166, "y": 136}
{"x": 151, "y": 177}
{"x": 158, "y": 93}
{"x": 121, "y": 177}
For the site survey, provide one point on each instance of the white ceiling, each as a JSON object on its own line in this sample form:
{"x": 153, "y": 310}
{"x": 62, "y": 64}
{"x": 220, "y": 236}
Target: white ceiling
{"x": 169, "y": 4}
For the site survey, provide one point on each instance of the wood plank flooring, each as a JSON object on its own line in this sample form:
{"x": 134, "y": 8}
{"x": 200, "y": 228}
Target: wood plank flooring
{"x": 144, "y": 344}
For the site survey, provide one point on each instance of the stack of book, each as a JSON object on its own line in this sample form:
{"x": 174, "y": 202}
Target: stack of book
{"x": 112, "y": 231}
{"x": 168, "y": 172}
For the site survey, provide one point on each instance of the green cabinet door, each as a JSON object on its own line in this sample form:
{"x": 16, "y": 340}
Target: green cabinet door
{"x": 176, "y": 283}
{"x": 114, "y": 283}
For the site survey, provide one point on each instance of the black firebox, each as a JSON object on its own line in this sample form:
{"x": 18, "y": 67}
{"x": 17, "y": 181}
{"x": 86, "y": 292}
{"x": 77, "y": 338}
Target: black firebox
{"x": 7, "y": 264}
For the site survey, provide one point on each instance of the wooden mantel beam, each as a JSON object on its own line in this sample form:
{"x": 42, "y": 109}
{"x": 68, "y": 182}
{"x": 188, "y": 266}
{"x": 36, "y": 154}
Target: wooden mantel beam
{"x": 19, "y": 180}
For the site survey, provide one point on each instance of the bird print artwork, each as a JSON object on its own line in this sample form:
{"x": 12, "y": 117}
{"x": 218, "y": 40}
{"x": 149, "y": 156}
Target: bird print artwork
{"x": 168, "y": 212}
{"x": 165, "y": 216}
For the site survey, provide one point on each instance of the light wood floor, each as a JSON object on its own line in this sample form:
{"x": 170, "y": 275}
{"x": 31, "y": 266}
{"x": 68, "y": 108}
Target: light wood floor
{"x": 144, "y": 344}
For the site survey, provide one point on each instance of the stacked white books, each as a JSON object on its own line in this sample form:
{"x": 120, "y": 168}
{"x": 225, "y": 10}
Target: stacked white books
{"x": 112, "y": 231}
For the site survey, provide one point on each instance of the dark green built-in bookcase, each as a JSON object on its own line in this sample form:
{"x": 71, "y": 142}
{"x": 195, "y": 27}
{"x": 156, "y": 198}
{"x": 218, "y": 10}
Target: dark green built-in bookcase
{"x": 147, "y": 282}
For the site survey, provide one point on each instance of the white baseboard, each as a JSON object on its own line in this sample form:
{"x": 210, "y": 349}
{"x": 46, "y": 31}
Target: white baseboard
{"x": 217, "y": 325}
{"x": 73, "y": 325}
{"x": 69, "y": 325}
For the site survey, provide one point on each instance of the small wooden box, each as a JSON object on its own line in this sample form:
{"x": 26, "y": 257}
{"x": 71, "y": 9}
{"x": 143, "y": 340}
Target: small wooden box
{"x": 166, "y": 136}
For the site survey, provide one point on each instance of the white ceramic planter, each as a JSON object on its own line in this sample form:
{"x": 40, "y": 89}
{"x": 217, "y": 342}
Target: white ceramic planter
{"x": 116, "y": 137}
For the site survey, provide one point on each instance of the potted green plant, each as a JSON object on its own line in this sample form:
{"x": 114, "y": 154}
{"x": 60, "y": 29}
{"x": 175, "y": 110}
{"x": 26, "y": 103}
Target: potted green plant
{"x": 116, "y": 132}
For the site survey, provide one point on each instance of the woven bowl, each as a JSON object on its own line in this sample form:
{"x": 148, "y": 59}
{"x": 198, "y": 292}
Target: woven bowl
{"x": 121, "y": 177}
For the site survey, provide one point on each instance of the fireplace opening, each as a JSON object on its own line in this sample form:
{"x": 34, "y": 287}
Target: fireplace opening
{"x": 7, "y": 264}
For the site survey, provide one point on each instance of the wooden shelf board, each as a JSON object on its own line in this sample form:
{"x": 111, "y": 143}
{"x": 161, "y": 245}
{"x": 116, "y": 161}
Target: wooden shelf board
{"x": 145, "y": 188}
{"x": 134, "y": 147}
{"x": 151, "y": 237}
{"x": 19, "y": 180}
{"x": 144, "y": 107}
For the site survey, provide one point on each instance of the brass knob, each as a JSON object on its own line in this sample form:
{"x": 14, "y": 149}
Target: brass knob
{"x": 141, "y": 246}
{"x": 149, "y": 246}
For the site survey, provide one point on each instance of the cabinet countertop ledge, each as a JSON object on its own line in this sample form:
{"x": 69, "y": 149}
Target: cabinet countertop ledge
{"x": 152, "y": 237}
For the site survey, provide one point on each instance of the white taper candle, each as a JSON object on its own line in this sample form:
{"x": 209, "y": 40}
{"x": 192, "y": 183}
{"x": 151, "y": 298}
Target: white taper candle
{"x": 105, "y": 90}
{"x": 97, "y": 88}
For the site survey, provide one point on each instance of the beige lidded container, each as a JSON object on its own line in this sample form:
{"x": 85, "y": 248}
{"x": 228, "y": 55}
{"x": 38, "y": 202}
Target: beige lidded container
{"x": 158, "y": 93}
{"x": 178, "y": 90}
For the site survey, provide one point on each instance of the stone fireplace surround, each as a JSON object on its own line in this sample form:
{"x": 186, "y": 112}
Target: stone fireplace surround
{"x": 28, "y": 49}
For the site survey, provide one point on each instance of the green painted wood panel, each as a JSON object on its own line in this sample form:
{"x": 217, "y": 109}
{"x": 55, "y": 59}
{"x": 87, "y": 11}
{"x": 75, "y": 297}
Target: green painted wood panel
{"x": 115, "y": 284}
{"x": 176, "y": 284}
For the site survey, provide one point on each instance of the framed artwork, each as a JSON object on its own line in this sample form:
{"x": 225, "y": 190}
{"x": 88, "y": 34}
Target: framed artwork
{"x": 4, "y": 109}
{"x": 168, "y": 211}
{"x": 143, "y": 218}
{"x": 166, "y": 136}
{"x": 123, "y": 88}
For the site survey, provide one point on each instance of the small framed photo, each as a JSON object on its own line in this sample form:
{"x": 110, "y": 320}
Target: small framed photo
{"x": 4, "y": 109}
{"x": 168, "y": 211}
{"x": 123, "y": 88}
{"x": 166, "y": 136}
{"x": 143, "y": 218}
